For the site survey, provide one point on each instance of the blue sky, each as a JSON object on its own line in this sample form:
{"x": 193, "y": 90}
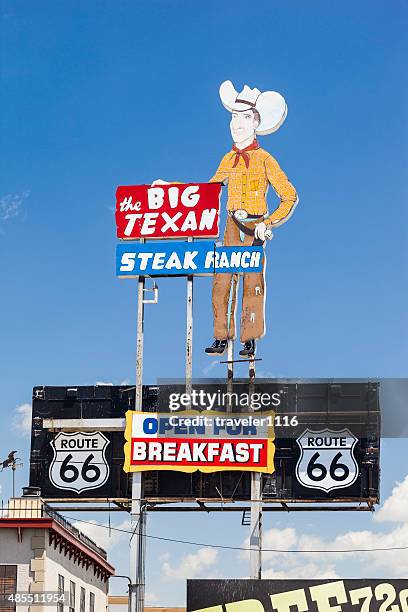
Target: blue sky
{"x": 99, "y": 94}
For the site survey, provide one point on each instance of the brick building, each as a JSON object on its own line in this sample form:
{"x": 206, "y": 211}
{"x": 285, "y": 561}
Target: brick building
{"x": 40, "y": 551}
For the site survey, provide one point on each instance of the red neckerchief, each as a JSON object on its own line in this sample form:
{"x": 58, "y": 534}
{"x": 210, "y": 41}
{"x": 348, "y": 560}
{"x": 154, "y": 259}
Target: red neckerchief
{"x": 243, "y": 153}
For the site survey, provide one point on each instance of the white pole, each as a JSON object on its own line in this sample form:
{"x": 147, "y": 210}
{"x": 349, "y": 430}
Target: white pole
{"x": 232, "y": 304}
{"x": 138, "y": 517}
{"x": 230, "y": 372}
{"x": 255, "y": 538}
{"x": 189, "y": 334}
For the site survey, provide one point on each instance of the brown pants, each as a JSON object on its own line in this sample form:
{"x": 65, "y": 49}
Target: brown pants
{"x": 224, "y": 294}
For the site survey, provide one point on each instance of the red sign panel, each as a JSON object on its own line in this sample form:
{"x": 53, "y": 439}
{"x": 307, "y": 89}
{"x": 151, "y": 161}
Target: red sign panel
{"x": 188, "y": 210}
{"x": 198, "y": 452}
{"x": 208, "y": 441}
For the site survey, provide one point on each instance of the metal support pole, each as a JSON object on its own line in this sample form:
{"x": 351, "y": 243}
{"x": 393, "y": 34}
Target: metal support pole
{"x": 139, "y": 342}
{"x": 230, "y": 345}
{"x": 189, "y": 336}
{"x": 230, "y": 372}
{"x": 138, "y": 515}
{"x": 255, "y": 538}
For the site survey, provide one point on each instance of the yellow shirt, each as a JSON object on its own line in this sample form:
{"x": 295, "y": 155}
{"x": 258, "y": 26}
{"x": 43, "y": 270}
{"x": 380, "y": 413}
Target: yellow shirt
{"x": 247, "y": 187}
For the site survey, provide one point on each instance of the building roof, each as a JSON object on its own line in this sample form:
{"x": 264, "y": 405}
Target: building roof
{"x": 69, "y": 539}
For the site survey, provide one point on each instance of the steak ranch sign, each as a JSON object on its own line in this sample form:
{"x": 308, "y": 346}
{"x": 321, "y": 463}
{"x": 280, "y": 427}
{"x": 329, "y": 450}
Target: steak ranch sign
{"x": 183, "y": 258}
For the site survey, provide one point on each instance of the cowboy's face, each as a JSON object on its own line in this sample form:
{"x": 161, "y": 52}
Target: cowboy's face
{"x": 243, "y": 125}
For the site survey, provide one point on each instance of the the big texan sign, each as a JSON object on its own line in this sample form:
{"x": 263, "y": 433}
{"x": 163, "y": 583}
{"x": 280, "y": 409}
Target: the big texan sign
{"x": 169, "y": 211}
{"x": 165, "y": 210}
{"x": 206, "y": 441}
{"x": 162, "y": 214}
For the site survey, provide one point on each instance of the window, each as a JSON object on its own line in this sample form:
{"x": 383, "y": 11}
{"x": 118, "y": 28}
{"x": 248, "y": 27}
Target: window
{"x": 71, "y": 596}
{"x": 60, "y": 605}
{"x": 91, "y": 602}
{"x": 82, "y": 600}
{"x": 8, "y": 585}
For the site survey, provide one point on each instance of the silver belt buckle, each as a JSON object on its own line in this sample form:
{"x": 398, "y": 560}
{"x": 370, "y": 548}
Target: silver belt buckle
{"x": 240, "y": 214}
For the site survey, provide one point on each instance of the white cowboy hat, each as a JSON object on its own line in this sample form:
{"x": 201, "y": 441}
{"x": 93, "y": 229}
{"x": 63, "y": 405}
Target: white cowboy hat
{"x": 270, "y": 105}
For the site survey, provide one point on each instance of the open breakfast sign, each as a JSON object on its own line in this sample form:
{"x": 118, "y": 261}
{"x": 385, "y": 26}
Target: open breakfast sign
{"x": 189, "y": 210}
{"x": 208, "y": 441}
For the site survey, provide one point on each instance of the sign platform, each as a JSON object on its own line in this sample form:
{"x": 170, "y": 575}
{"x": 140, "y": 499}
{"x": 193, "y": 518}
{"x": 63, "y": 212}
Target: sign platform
{"x": 326, "y": 438}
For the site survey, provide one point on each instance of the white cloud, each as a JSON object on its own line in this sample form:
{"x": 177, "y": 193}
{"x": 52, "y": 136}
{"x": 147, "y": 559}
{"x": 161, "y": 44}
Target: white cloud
{"x": 101, "y": 383}
{"x": 378, "y": 563}
{"x": 289, "y": 565}
{"x": 10, "y": 205}
{"x": 280, "y": 539}
{"x": 194, "y": 565}
{"x": 209, "y": 367}
{"x": 395, "y": 507}
{"x": 305, "y": 571}
{"x": 393, "y": 563}
{"x": 21, "y": 422}
{"x": 151, "y": 598}
{"x": 285, "y": 539}
{"x": 103, "y": 537}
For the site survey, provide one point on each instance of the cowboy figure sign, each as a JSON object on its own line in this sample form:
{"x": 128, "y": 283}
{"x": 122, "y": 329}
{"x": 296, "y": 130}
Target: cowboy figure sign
{"x": 248, "y": 170}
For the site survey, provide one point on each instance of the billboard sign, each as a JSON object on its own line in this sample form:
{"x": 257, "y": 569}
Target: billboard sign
{"x": 205, "y": 441}
{"x": 296, "y": 595}
{"x": 327, "y": 460}
{"x": 185, "y": 258}
{"x": 65, "y": 463}
{"x": 188, "y": 210}
{"x": 79, "y": 462}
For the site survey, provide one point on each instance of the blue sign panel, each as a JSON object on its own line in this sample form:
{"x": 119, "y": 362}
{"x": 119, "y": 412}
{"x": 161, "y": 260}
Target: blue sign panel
{"x": 185, "y": 258}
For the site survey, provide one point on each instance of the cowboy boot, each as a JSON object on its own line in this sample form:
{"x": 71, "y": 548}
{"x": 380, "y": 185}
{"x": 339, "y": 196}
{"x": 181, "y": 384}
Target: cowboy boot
{"x": 249, "y": 349}
{"x": 217, "y": 348}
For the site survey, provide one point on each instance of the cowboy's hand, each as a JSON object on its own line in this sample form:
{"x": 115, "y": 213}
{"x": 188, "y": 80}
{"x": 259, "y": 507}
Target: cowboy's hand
{"x": 263, "y": 232}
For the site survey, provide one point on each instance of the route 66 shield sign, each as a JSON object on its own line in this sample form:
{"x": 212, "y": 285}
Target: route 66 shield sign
{"x": 327, "y": 459}
{"x": 79, "y": 462}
